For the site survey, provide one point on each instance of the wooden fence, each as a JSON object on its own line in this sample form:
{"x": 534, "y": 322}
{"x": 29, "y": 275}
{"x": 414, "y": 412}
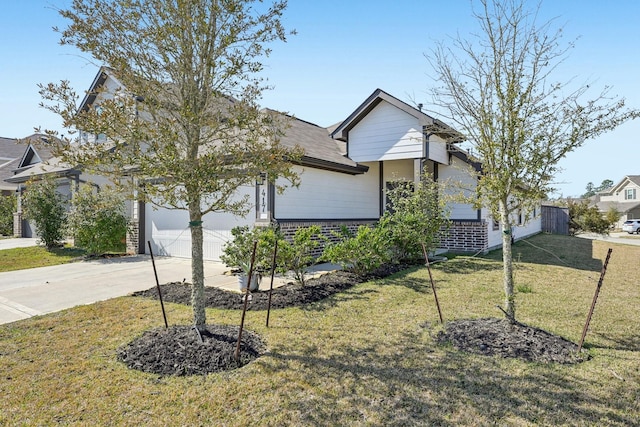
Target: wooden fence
{"x": 555, "y": 220}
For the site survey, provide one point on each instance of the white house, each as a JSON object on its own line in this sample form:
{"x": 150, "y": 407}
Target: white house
{"x": 344, "y": 174}
{"x": 623, "y": 196}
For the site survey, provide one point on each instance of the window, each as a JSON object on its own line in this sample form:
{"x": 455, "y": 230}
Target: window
{"x": 496, "y": 225}
{"x": 519, "y": 217}
{"x": 630, "y": 194}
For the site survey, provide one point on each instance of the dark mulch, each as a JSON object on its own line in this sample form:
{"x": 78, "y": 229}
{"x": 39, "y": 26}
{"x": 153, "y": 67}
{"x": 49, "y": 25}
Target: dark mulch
{"x": 290, "y": 295}
{"x": 500, "y": 337}
{"x": 180, "y": 351}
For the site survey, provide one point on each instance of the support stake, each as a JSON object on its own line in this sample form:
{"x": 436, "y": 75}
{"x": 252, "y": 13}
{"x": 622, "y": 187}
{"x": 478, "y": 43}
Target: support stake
{"x": 273, "y": 272}
{"x": 155, "y": 272}
{"x": 246, "y": 300}
{"x": 595, "y": 298}
{"x": 433, "y": 286}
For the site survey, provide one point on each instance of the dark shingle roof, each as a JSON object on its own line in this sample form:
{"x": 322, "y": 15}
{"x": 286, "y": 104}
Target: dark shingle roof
{"x": 12, "y": 153}
{"x": 320, "y": 150}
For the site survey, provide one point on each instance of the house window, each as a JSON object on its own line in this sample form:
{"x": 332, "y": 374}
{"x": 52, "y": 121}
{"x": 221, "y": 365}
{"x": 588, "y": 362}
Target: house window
{"x": 496, "y": 225}
{"x": 520, "y": 217}
{"x": 630, "y": 194}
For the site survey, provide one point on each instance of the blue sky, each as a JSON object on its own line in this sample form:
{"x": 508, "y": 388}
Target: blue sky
{"x": 346, "y": 49}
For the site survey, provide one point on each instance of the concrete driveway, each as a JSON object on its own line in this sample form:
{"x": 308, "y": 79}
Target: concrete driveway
{"x": 27, "y": 293}
{"x": 617, "y": 237}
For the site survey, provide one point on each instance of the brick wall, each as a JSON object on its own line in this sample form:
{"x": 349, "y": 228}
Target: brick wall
{"x": 466, "y": 236}
{"x": 327, "y": 228}
{"x": 133, "y": 236}
{"x": 17, "y": 224}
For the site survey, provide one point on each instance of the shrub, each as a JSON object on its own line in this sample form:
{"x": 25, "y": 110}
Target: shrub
{"x": 47, "y": 209}
{"x": 297, "y": 254}
{"x": 416, "y": 216}
{"x": 362, "y": 253}
{"x": 237, "y": 252}
{"x": 97, "y": 220}
{"x": 8, "y": 205}
{"x": 583, "y": 217}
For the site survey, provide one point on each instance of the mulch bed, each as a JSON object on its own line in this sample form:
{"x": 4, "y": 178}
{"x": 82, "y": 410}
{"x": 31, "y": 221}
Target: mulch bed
{"x": 290, "y": 295}
{"x": 179, "y": 350}
{"x": 501, "y": 337}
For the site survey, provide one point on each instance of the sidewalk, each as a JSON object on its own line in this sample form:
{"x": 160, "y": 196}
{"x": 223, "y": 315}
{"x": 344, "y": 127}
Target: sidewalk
{"x": 26, "y": 293}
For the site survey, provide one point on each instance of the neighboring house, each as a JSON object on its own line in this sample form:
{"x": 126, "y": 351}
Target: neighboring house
{"x": 624, "y": 197}
{"x": 344, "y": 174}
{"x": 17, "y": 155}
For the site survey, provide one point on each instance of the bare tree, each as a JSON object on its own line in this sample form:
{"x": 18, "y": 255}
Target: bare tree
{"x": 184, "y": 124}
{"x": 498, "y": 87}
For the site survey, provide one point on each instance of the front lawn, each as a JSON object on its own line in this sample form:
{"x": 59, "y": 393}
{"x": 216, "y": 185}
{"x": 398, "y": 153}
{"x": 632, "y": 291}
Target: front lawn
{"x": 366, "y": 356}
{"x": 36, "y": 256}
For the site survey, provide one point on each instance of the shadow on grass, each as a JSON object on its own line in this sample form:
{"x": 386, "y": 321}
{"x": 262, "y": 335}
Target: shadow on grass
{"x": 623, "y": 343}
{"x": 553, "y": 249}
{"x": 333, "y": 300}
{"x": 418, "y": 385}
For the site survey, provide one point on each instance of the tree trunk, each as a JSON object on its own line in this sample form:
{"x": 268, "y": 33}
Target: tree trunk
{"x": 197, "y": 268}
{"x": 507, "y": 261}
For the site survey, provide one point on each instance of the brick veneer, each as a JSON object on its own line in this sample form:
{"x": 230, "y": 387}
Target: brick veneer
{"x": 133, "y": 237}
{"x": 327, "y": 228}
{"x": 463, "y": 236}
{"x": 466, "y": 236}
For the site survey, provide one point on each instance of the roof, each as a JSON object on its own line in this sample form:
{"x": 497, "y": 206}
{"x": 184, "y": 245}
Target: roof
{"x": 320, "y": 150}
{"x": 635, "y": 179}
{"x": 52, "y": 166}
{"x": 429, "y": 124}
{"x": 622, "y": 207}
{"x": 18, "y": 155}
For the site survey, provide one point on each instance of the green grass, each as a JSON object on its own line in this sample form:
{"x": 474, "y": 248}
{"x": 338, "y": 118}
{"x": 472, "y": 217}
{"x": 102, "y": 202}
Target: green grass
{"x": 36, "y": 256}
{"x": 365, "y": 357}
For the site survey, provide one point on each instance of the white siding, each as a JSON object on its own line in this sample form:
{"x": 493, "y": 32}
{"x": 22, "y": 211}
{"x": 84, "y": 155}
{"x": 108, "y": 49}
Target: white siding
{"x": 531, "y": 227}
{"x": 459, "y": 180}
{"x": 169, "y": 231}
{"x": 437, "y": 150}
{"x": 386, "y": 133}
{"x": 331, "y": 195}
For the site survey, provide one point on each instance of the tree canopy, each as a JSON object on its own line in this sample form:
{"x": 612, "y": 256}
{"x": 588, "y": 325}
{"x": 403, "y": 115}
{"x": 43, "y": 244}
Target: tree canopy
{"x": 184, "y": 123}
{"x": 499, "y": 87}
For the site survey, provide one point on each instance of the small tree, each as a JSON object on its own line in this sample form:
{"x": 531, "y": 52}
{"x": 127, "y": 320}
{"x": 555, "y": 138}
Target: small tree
{"x": 97, "y": 220}
{"x": 186, "y": 120}
{"x": 46, "y": 207}
{"x": 416, "y": 216}
{"x": 8, "y": 205}
{"x": 498, "y": 89}
{"x": 585, "y": 218}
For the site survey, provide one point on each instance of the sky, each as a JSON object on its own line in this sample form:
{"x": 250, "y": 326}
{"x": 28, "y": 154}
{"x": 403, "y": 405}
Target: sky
{"x": 343, "y": 51}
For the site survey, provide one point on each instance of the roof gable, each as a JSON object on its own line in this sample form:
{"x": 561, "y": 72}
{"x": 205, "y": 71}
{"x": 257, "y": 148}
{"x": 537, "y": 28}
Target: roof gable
{"x": 628, "y": 179}
{"x": 428, "y": 123}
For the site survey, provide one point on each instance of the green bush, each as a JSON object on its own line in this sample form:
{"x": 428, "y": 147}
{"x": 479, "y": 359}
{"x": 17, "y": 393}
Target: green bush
{"x": 583, "y": 217}
{"x": 416, "y": 216}
{"x": 8, "y": 205}
{"x": 362, "y": 253}
{"x": 237, "y": 252}
{"x": 297, "y": 254}
{"x": 97, "y": 220}
{"x": 47, "y": 209}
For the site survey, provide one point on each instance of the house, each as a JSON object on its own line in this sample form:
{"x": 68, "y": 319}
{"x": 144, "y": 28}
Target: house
{"x": 345, "y": 172}
{"x": 19, "y": 156}
{"x": 623, "y": 197}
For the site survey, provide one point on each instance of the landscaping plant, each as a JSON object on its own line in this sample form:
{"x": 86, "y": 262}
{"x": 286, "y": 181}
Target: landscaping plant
{"x": 362, "y": 253}
{"x": 97, "y": 220}
{"x": 46, "y": 207}
{"x": 417, "y": 215}
{"x": 8, "y": 206}
{"x": 296, "y": 255}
